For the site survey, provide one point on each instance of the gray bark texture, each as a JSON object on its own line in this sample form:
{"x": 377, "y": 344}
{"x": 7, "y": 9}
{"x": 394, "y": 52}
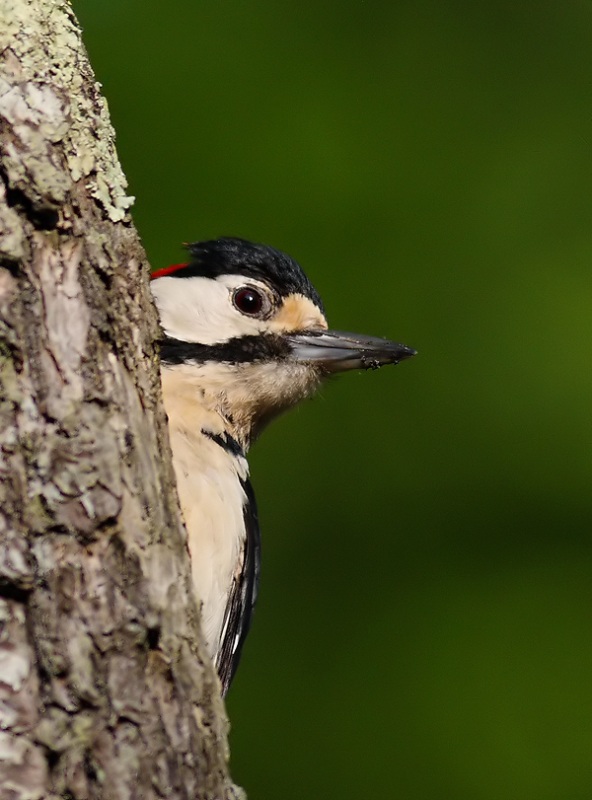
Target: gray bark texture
{"x": 106, "y": 690}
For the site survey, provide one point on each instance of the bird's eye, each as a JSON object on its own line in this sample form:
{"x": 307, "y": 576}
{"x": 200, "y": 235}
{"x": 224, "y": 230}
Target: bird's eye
{"x": 249, "y": 301}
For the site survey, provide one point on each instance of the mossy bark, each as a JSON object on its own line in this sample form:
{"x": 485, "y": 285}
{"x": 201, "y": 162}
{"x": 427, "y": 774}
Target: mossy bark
{"x": 105, "y": 687}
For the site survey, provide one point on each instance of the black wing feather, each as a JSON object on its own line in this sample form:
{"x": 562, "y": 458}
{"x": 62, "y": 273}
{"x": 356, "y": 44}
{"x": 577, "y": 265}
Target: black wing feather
{"x": 242, "y": 596}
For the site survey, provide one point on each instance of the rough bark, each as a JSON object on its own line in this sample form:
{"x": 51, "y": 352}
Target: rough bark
{"x": 105, "y": 687}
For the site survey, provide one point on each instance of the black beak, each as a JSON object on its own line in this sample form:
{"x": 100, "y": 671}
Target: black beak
{"x": 336, "y": 351}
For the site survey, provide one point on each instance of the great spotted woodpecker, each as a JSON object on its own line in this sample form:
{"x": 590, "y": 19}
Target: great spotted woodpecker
{"x": 245, "y": 338}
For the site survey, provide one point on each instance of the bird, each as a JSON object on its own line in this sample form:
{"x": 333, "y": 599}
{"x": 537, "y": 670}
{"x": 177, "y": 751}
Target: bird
{"x": 244, "y": 338}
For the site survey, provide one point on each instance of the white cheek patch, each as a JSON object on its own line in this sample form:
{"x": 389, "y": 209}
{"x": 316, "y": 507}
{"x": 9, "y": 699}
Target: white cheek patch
{"x": 201, "y": 309}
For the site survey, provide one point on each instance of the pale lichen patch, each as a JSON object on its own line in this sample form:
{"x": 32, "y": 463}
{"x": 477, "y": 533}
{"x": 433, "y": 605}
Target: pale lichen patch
{"x": 49, "y": 103}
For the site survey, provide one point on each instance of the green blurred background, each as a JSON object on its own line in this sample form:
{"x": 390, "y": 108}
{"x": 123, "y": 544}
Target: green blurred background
{"x": 424, "y": 625}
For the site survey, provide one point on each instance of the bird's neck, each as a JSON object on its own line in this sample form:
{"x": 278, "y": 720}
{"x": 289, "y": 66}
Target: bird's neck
{"x": 236, "y": 400}
{"x": 203, "y": 404}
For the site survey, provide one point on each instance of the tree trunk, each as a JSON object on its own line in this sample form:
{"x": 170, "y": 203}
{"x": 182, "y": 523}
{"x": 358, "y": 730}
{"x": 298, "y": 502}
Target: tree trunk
{"x": 106, "y": 690}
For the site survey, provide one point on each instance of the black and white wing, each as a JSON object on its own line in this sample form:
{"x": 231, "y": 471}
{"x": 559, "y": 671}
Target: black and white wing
{"x": 242, "y": 596}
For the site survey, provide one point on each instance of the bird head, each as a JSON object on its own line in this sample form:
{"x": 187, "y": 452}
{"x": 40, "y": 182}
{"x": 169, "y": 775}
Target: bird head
{"x": 246, "y": 331}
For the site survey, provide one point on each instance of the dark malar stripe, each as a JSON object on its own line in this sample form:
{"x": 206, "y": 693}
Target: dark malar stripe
{"x": 240, "y": 350}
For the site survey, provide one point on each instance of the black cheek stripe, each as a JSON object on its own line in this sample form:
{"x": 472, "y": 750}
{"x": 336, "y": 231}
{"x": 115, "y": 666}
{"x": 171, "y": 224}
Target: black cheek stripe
{"x": 240, "y": 350}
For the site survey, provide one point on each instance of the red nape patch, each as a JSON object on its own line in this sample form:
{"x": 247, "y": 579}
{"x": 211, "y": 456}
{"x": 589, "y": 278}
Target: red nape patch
{"x": 160, "y": 273}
